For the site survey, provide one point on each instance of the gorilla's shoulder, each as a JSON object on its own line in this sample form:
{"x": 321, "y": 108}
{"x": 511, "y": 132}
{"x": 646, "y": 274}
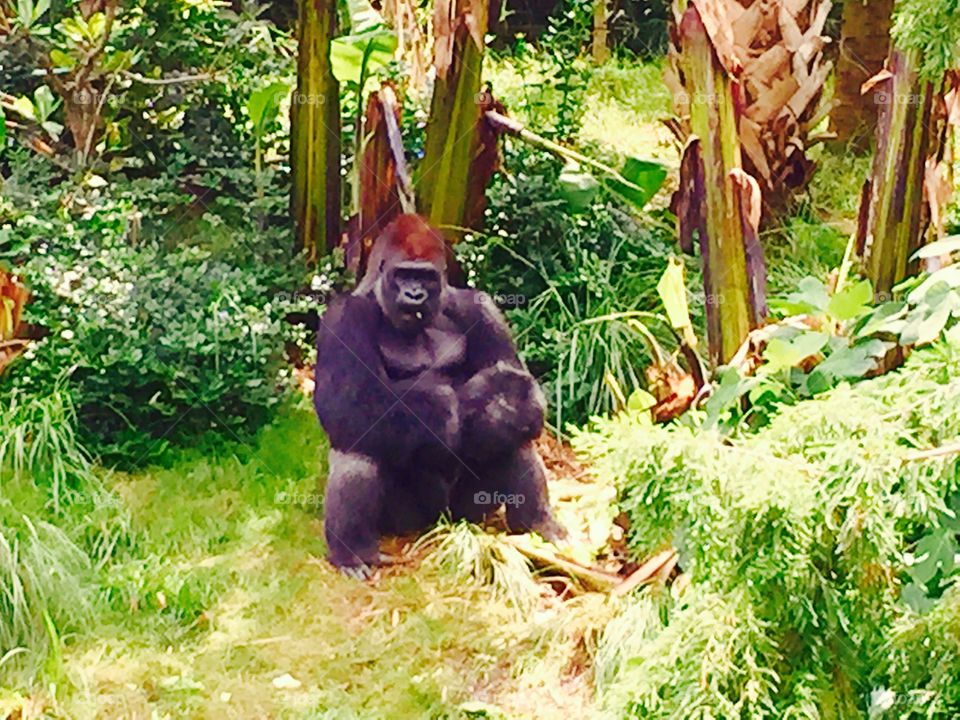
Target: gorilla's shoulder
{"x": 472, "y": 306}
{"x": 347, "y": 307}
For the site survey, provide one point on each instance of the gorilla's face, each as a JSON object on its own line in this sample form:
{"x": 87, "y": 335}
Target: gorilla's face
{"x": 410, "y": 294}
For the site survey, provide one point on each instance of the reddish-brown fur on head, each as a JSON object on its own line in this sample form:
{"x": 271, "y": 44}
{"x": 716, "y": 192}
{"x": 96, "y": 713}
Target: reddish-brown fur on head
{"x": 412, "y": 236}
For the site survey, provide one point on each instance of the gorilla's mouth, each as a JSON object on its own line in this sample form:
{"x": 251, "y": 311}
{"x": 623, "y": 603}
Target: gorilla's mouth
{"x": 412, "y": 315}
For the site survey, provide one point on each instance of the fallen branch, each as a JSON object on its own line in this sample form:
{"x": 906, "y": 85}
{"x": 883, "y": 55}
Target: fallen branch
{"x": 543, "y": 556}
{"x": 660, "y": 565}
{"x": 202, "y": 77}
{"x": 515, "y": 129}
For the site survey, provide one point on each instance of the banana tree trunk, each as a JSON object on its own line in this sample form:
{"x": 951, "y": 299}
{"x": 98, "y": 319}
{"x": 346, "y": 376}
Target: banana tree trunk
{"x": 315, "y": 133}
{"x": 895, "y": 216}
{"x": 718, "y": 203}
{"x": 446, "y": 184}
{"x": 864, "y": 45}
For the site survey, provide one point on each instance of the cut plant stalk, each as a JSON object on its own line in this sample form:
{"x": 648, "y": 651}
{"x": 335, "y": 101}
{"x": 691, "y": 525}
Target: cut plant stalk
{"x": 385, "y": 189}
{"x": 315, "y": 133}
{"x": 718, "y": 204}
{"x": 773, "y": 51}
{"x": 448, "y": 184}
{"x": 864, "y": 45}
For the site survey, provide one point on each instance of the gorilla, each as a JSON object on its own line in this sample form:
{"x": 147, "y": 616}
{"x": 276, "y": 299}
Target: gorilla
{"x": 426, "y": 405}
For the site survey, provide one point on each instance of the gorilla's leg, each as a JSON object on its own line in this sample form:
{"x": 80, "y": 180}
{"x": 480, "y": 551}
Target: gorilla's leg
{"x": 352, "y": 505}
{"x": 523, "y": 481}
{"x": 518, "y": 480}
{"x": 415, "y": 499}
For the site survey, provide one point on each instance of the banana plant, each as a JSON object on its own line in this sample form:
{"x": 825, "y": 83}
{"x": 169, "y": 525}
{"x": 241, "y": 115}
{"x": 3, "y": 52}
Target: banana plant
{"x": 263, "y": 106}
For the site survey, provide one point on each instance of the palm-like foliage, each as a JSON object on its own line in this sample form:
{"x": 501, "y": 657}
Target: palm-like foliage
{"x": 773, "y": 52}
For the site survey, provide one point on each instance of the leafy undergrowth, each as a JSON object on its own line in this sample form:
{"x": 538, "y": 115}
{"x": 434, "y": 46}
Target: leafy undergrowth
{"x": 819, "y": 556}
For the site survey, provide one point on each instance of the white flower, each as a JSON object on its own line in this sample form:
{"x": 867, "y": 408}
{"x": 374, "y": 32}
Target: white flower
{"x": 67, "y": 335}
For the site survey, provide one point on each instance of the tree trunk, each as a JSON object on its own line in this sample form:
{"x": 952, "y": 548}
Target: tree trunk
{"x": 447, "y": 183}
{"x": 601, "y": 50}
{"x": 895, "y": 216}
{"x": 864, "y": 45}
{"x": 315, "y": 133}
{"x": 718, "y": 203}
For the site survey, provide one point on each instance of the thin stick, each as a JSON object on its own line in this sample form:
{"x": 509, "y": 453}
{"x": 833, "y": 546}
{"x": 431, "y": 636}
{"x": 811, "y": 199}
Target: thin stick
{"x": 512, "y": 127}
{"x": 941, "y": 451}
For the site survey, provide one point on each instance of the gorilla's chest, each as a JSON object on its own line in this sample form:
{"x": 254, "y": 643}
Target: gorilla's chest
{"x": 437, "y": 350}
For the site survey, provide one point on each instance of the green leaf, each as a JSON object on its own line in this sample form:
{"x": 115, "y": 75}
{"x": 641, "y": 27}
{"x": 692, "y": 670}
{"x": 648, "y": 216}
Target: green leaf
{"x": 916, "y": 598}
{"x": 640, "y": 400}
{"x": 725, "y": 394}
{"x": 3, "y": 129}
{"x": 949, "y": 276}
{"x": 44, "y": 103}
{"x": 781, "y": 354}
{"x": 852, "y": 362}
{"x": 810, "y": 298}
{"x": 60, "y": 59}
{"x": 673, "y": 294}
{"x": 935, "y": 552}
{"x": 883, "y": 319}
{"x": 946, "y": 246}
{"x": 644, "y": 179}
{"x": 24, "y": 106}
{"x": 851, "y": 302}
{"x": 347, "y": 54}
{"x": 925, "y": 324}
{"x": 263, "y": 104}
{"x": 578, "y": 188}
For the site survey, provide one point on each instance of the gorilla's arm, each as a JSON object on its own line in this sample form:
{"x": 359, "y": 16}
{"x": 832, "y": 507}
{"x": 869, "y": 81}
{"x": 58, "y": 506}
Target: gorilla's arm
{"x": 501, "y": 405}
{"x": 361, "y": 409}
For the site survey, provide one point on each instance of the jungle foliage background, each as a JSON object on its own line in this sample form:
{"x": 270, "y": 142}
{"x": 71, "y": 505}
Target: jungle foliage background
{"x": 723, "y": 232}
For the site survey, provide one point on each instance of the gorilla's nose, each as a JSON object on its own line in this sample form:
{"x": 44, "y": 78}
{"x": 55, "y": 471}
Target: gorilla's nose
{"x": 414, "y": 297}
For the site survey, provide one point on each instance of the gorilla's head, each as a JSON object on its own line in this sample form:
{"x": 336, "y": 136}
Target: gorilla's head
{"x": 407, "y": 271}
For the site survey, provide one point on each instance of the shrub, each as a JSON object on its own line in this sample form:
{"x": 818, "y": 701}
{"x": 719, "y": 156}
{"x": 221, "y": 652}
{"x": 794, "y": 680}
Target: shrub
{"x": 560, "y": 275}
{"x": 153, "y": 345}
{"x": 795, "y": 540}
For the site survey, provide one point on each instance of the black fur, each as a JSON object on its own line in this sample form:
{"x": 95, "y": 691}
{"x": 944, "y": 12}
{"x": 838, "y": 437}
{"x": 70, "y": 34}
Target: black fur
{"x": 441, "y": 419}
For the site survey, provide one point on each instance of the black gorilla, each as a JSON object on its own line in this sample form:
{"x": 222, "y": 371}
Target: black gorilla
{"x": 426, "y": 405}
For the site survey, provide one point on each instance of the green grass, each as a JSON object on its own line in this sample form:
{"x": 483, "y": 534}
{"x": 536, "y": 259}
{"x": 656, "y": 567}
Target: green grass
{"x": 221, "y": 587}
{"x": 624, "y": 103}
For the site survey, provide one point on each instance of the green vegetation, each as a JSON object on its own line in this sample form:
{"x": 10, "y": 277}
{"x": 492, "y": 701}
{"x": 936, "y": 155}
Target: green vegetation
{"x": 176, "y": 178}
{"x": 811, "y": 547}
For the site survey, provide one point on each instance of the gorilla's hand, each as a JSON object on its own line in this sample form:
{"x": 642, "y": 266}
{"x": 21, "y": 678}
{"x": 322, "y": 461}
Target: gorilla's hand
{"x": 432, "y": 402}
{"x": 502, "y": 408}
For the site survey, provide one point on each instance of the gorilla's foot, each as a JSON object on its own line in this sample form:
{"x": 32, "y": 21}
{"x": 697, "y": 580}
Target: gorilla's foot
{"x": 551, "y": 530}
{"x": 356, "y": 572}
{"x": 365, "y": 571}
